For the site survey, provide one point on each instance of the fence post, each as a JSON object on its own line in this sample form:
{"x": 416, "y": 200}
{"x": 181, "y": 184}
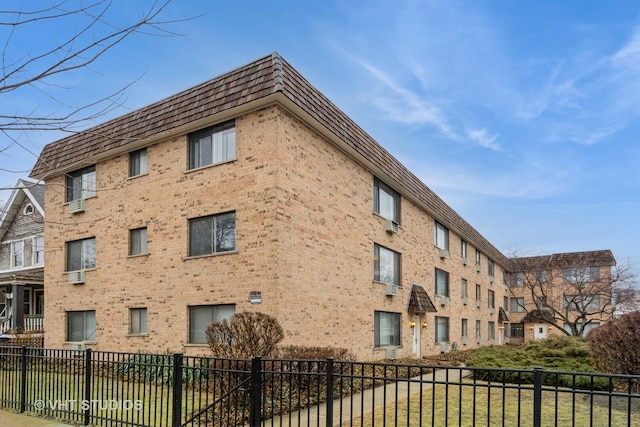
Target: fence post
{"x": 537, "y": 396}
{"x": 177, "y": 390}
{"x": 23, "y": 378}
{"x": 87, "y": 384}
{"x": 330, "y": 392}
{"x": 255, "y": 393}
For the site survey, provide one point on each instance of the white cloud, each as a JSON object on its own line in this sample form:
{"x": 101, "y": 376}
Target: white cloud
{"x": 483, "y": 139}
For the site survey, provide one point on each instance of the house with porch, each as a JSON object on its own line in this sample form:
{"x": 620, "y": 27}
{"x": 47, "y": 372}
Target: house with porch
{"x": 22, "y": 260}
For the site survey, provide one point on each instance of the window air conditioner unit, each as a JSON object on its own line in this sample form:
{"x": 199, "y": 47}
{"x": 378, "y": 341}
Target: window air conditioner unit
{"x": 492, "y": 310}
{"x": 77, "y": 346}
{"x": 478, "y": 303}
{"x": 444, "y": 347}
{"x": 465, "y": 340}
{"x": 492, "y": 342}
{"x": 76, "y": 206}
{"x": 479, "y": 340}
{"x": 465, "y": 260}
{"x": 392, "y": 289}
{"x": 443, "y": 300}
{"x": 391, "y": 353}
{"x": 507, "y": 340}
{"x": 392, "y": 226}
{"x": 444, "y": 253}
{"x": 478, "y": 268}
{"x": 465, "y": 300}
{"x": 76, "y": 277}
{"x": 492, "y": 280}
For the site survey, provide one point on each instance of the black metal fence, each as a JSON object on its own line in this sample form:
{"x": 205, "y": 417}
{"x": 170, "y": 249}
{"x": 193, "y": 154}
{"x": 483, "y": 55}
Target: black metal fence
{"x": 136, "y": 389}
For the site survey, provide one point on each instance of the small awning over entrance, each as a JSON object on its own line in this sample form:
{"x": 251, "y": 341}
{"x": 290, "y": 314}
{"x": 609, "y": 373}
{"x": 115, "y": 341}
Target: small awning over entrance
{"x": 502, "y": 315}
{"x": 419, "y": 301}
{"x": 535, "y": 316}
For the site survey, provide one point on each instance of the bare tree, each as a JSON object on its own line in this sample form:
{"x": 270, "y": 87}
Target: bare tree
{"x": 64, "y": 38}
{"x": 571, "y": 292}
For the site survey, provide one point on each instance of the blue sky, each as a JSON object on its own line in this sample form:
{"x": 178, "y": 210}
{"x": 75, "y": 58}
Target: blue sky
{"x": 523, "y": 116}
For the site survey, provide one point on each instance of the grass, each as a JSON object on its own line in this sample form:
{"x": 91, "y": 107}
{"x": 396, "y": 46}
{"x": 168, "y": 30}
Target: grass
{"x": 478, "y": 405}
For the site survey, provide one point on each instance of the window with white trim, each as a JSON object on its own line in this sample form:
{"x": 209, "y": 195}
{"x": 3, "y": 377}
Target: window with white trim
{"x": 212, "y": 145}
{"x": 38, "y": 250}
{"x": 386, "y": 201}
{"x": 441, "y": 236}
{"x": 138, "y": 241}
{"x": 138, "y": 321}
{"x": 17, "y": 254}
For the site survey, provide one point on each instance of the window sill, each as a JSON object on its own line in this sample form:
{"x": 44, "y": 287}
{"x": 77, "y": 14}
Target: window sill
{"x": 196, "y": 345}
{"x": 137, "y": 176}
{"x": 210, "y": 165}
{"x": 80, "y": 342}
{"x": 136, "y": 335}
{"x": 82, "y": 269}
{"x": 145, "y": 255}
{"x": 209, "y": 255}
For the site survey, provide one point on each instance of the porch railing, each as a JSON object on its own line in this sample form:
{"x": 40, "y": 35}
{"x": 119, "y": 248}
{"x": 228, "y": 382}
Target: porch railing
{"x": 33, "y": 322}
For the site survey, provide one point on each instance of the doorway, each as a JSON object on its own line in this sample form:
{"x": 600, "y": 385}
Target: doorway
{"x": 540, "y": 331}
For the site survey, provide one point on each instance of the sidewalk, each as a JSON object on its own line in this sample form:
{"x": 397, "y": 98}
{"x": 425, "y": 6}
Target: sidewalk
{"x": 12, "y": 419}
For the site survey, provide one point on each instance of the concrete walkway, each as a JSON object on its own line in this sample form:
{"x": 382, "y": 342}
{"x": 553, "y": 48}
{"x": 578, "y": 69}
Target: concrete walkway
{"x": 364, "y": 403}
{"x": 12, "y": 419}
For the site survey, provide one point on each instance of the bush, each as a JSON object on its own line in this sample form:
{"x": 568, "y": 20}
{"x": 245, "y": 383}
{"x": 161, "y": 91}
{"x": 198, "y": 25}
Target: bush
{"x": 245, "y": 335}
{"x": 614, "y": 345}
{"x": 317, "y": 353}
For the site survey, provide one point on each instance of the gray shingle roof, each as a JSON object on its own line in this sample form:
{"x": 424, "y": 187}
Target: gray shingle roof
{"x": 267, "y": 76}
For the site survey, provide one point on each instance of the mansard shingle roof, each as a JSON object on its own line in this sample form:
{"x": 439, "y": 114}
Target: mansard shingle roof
{"x": 565, "y": 260}
{"x": 270, "y": 75}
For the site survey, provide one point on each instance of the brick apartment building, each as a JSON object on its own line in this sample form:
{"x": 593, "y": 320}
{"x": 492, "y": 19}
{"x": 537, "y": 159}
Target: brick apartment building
{"x": 253, "y": 192}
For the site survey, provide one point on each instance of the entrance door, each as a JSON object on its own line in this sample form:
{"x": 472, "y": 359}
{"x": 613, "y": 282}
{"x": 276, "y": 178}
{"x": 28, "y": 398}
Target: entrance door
{"x": 540, "y": 331}
{"x": 416, "y": 336}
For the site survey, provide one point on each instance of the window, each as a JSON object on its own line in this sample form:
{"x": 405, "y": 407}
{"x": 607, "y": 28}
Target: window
{"x": 81, "y": 325}
{"x": 138, "y": 162}
{"x": 478, "y": 294}
{"x": 478, "y": 332}
{"x": 517, "y": 305}
{"x": 386, "y": 265}
{"x": 463, "y": 288}
{"x": 81, "y": 184}
{"x": 386, "y": 201}
{"x": 491, "y": 330}
{"x": 28, "y": 209}
{"x": 463, "y": 328}
{"x": 582, "y": 302}
{"x": 81, "y": 254}
{"x": 442, "y": 329}
{"x": 17, "y": 254}
{"x": 506, "y": 328}
{"x": 442, "y": 283}
{"x": 541, "y": 301}
{"x": 137, "y": 321}
{"x": 505, "y": 303}
{"x": 517, "y": 330}
{"x": 212, "y": 234}
{"x": 588, "y": 327}
{"x": 463, "y": 248}
{"x": 386, "y": 329}
{"x": 38, "y": 250}
{"x": 202, "y": 316}
{"x": 212, "y": 145}
{"x": 477, "y": 257}
{"x": 441, "y": 236}
{"x": 138, "y": 241}
{"x": 541, "y": 276}
{"x": 490, "y": 268}
{"x": 517, "y": 279}
{"x": 581, "y": 275}
{"x": 491, "y": 299}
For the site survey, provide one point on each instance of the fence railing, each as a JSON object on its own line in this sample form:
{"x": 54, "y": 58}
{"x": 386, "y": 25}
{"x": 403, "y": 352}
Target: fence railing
{"x": 135, "y": 389}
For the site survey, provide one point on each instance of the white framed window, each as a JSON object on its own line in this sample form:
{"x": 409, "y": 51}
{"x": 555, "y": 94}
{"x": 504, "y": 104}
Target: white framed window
{"x": 442, "y": 329}
{"x": 463, "y": 248}
{"x": 464, "y": 327}
{"x": 477, "y": 257}
{"x": 212, "y": 145}
{"x": 138, "y": 321}
{"x": 441, "y": 236}
{"x": 201, "y": 316}
{"x": 386, "y": 327}
{"x": 386, "y": 265}
{"x": 386, "y": 201}
{"x": 478, "y": 329}
{"x": 442, "y": 282}
{"x": 491, "y": 299}
{"x": 138, "y": 241}
{"x": 212, "y": 234}
{"x": 463, "y": 288}
{"x": 81, "y": 325}
{"x": 478, "y": 293}
{"x": 138, "y": 162}
{"x": 38, "y": 250}
{"x": 81, "y": 254}
{"x": 28, "y": 209}
{"x": 81, "y": 184}
{"x": 17, "y": 254}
